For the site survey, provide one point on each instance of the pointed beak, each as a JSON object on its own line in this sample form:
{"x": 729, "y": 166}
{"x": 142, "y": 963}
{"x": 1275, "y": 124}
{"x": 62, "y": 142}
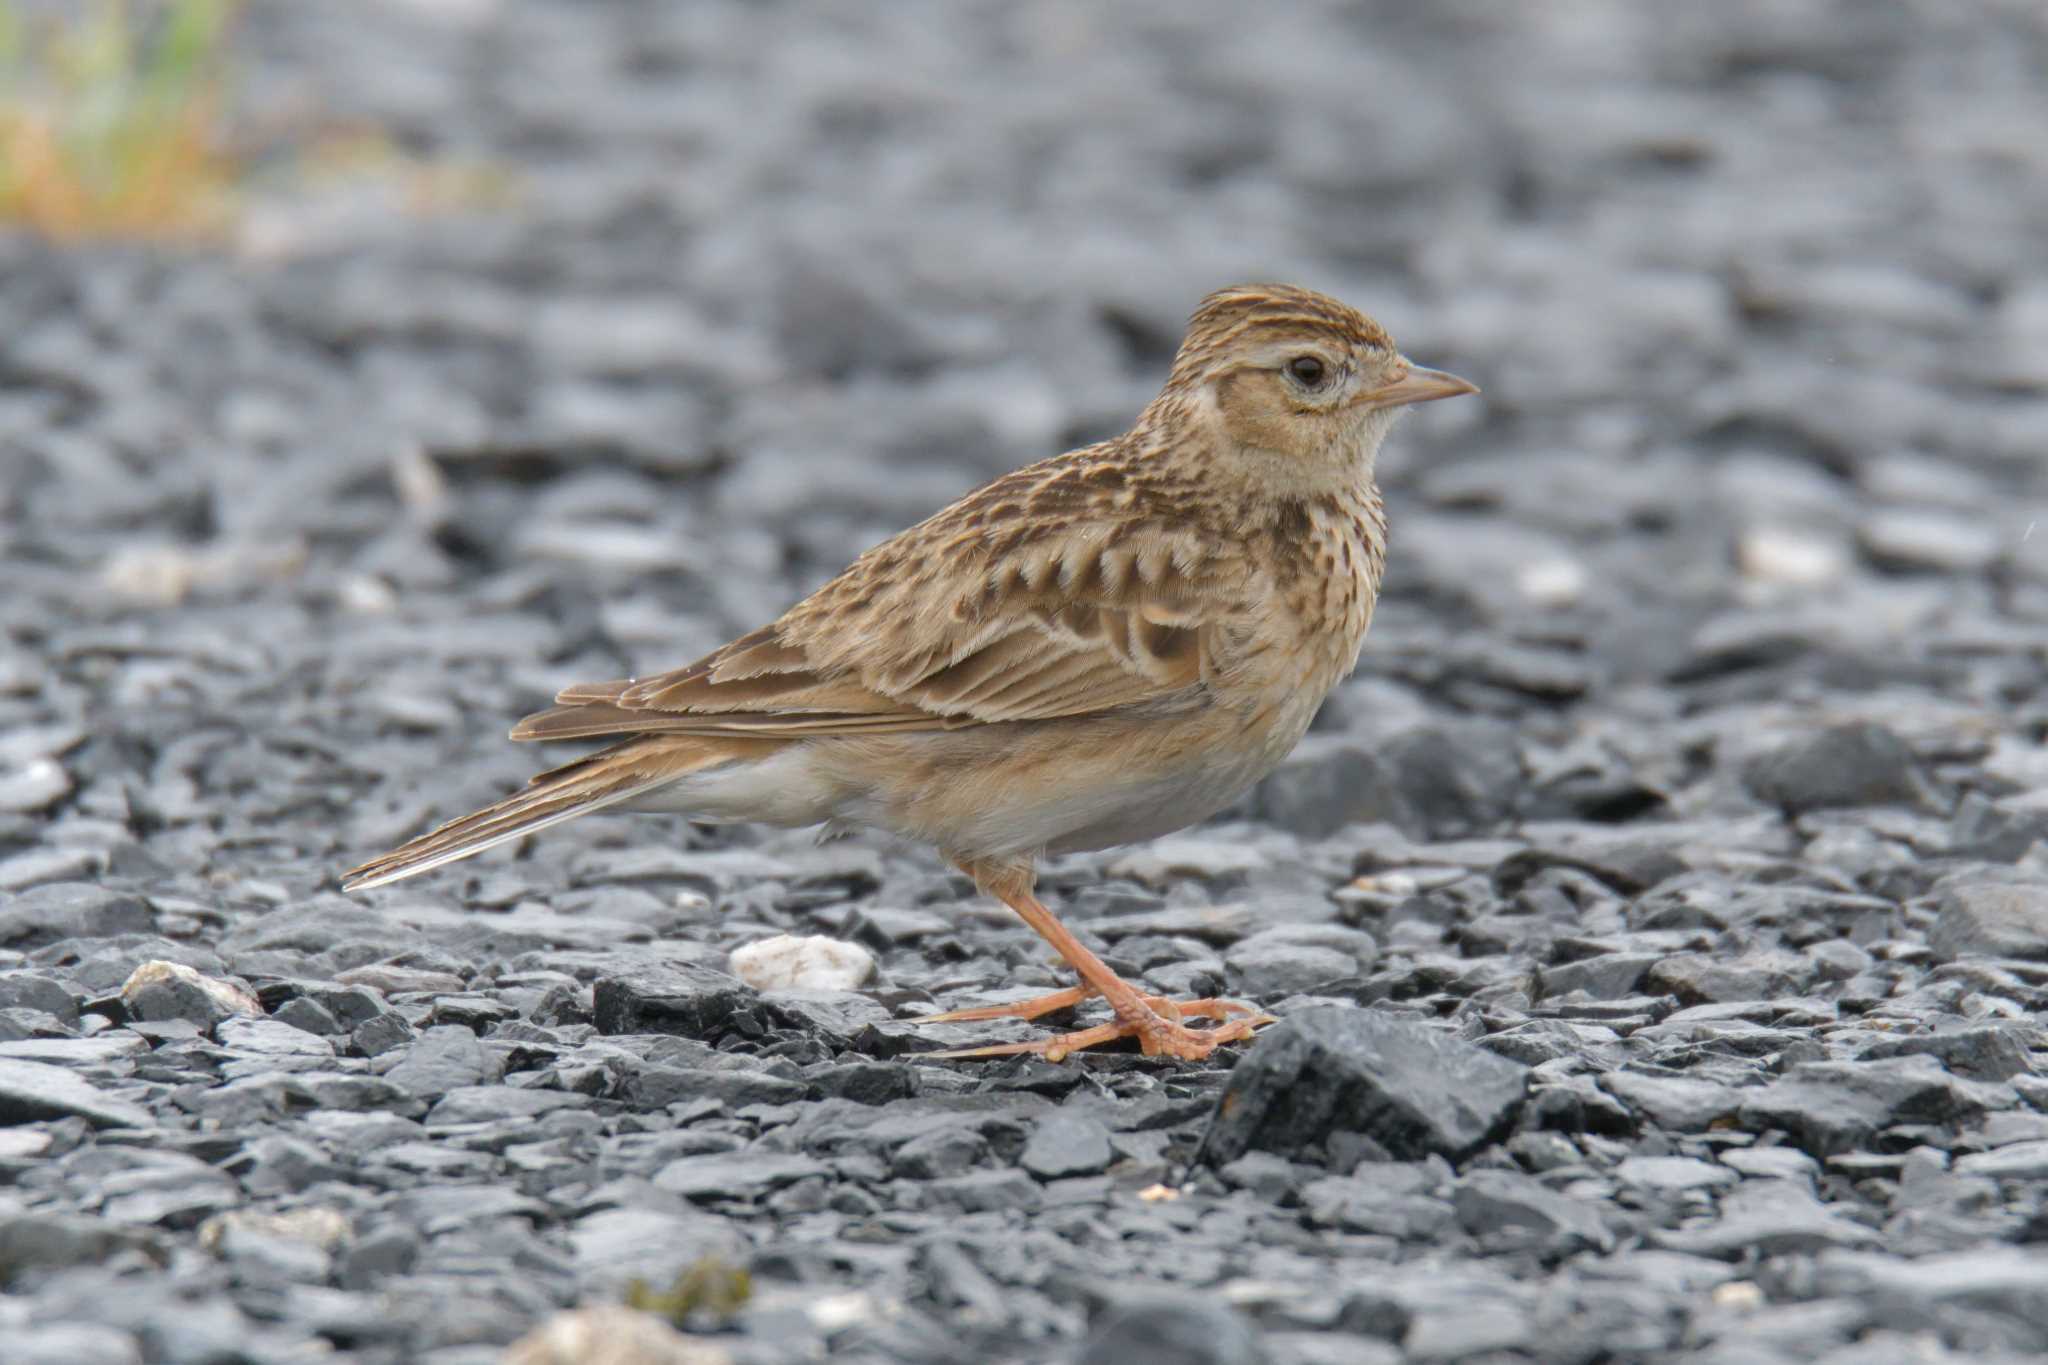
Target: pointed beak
{"x": 1416, "y": 385}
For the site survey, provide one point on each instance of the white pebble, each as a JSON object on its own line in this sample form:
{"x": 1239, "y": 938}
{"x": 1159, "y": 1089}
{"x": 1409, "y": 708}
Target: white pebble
{"x": 1778, "y": 554}
{"x": 37, "y": 785}
{"x": 1552, "y": 582}
{"x": 787, "y": 962}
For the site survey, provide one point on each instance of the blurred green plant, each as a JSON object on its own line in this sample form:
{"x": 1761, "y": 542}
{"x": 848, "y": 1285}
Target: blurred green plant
{"x": 109, "y": 125}
{"x": 707, "y": 1287}
{"x": 113, "y": 124}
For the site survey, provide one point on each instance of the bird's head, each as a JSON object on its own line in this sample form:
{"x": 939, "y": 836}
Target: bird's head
{"x": 1295, "y": 387}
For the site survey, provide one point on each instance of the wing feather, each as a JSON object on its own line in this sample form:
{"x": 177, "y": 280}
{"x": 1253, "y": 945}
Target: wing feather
{"x": 983, "y": 614}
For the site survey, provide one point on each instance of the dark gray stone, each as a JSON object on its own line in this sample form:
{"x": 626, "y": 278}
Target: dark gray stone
{"x": 1387, "y": 1199}
{"x": 1994, "y": 1297}
{"x": 1064, "y": 1144}
{"x": 1432, "y": 782}
{"x": 1991, "y": 919}
{"x": 177, "y": 997}
{"x": 1507, "y": 1210}
{"x": 1831, "y": 1107}
{"x": 58, "y": 912}
{"x": 681, "y": 998}
{"x": 17, "y": 1023}
{"x": 1988, "y": 1052}
{"x": 385, "y": 1252}
{"x": 276, "y": 1164}
{"x": 1263, "y": 968}
{"x": 1413, "y": 1089}
{"x": 38, "y": 991}
{"x": 377, "y": 1036}
{"x": 865, "y": 1082}
{"x": 267, "y": 1044}
{"x": 267, "y": 1259}
{"x": 1322, "y": 788}
{"x": 1272, "y": 1178}
{"x": 1849, "y": 765}
{"x": 45, "y": 1240}
{"x": 305, "y": 1013}
{"x": 444, "y": 1058}
{"x": 735, "y": 1175}
{"x": 656, "y": 1087}
{"x": 1536, "y": 1041}
{"x": 1767, "y": 1218}
{"x": 1181, "y": 1330}
{"x": 984, "y": 1192}
{"x": 1676, "y": 1104}
{"x": 1701, "y": 979}
{"x": 944, "y": 1151}
{"x": 1609, "y": 976}
{"x": 497, "y": 1104}
{"x": 31, "y": 1091}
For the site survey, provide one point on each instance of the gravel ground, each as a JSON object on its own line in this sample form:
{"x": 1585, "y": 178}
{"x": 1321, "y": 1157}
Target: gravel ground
{"x": 1659, "y": 919}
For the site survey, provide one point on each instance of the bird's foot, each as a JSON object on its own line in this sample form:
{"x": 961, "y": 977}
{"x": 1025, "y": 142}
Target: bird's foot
{"x": 1159, "y": 1030}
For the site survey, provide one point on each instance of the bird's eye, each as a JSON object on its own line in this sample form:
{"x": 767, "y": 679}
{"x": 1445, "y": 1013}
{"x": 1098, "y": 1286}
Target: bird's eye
{"x": 1307, "y": 370}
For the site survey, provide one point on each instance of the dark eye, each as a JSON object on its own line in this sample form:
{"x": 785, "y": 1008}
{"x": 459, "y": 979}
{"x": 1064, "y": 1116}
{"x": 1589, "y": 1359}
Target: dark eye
{"x": 1307, "y": 370}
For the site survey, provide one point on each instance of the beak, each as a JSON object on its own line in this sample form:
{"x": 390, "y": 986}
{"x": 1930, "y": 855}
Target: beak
{"x": 1416, "y": 385}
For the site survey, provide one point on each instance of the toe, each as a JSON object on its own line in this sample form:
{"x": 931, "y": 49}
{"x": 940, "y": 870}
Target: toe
{"x": 1018, "y": 1009}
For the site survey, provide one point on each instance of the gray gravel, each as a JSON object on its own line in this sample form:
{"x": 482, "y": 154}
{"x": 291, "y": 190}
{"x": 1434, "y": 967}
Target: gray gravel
{"x": 1692, "y": 791}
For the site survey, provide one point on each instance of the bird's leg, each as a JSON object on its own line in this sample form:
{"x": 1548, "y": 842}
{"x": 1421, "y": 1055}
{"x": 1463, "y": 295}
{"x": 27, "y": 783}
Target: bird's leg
{"x": 1153, "y": 1021}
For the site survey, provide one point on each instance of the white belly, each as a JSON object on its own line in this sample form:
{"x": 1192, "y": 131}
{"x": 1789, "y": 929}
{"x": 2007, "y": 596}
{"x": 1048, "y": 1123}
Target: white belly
{"x": 785, "y": 788}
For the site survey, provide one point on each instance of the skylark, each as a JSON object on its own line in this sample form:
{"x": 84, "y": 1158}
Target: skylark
{"x": 1099, "y": 648}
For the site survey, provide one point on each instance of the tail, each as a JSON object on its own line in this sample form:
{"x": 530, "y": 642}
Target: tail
{"x": 606, "y": 778}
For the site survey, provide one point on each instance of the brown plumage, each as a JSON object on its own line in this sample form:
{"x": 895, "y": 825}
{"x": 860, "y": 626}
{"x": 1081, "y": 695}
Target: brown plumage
{"x": 1101, "y": 647}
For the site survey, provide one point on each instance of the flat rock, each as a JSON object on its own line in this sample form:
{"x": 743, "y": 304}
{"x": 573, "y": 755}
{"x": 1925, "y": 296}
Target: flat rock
{"x": 682, "y": 998}
{"x": 1769, "y": 1218}
{"x": 1412, "y": 1089}
{"x": 444, "y": 1058}
{"x": 1830, "y": 1107}
{"x": 2014, "y": 1161}
{"x": 58, "y": 911}
{"x": 735, "y": 1175}
{"x": 1669, "y": 1174}
{"x": 1993, "y": 1294}
{"x": 1991, "y": 919}
{"x": 1507, "y": 1210}
{"x": 1063, "y": 1144}
{"x": 1849, "y": 765}
{"x": 32, "y": 1091}
{"x": 1178, "y": 1330}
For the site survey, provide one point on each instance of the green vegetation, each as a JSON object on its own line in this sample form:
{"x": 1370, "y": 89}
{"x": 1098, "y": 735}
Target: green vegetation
{"x": 709, "y": 1287}
{"x": 114, "y": 122}
{"x": 109, "y": 125}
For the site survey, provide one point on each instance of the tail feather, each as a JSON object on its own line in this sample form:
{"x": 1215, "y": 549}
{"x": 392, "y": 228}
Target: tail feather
{"x": 602, "y": 779}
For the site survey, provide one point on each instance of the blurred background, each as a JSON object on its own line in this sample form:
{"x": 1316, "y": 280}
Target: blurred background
{"x": 368, "y": 371}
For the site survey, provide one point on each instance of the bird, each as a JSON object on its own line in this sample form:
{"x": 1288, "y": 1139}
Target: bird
{"x": 1100, "y": 648}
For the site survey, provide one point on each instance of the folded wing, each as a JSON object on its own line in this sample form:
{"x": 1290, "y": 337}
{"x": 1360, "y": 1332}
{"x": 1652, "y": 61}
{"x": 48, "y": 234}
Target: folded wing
{"x": 973, "y": 617}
